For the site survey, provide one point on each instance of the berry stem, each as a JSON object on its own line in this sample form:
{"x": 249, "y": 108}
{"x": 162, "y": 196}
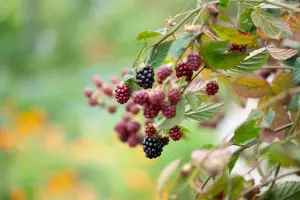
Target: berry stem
{"x": 139, "y": 54}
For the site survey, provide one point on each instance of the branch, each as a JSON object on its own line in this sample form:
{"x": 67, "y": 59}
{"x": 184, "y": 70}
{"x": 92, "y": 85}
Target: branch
{"x": 267, "y": 182}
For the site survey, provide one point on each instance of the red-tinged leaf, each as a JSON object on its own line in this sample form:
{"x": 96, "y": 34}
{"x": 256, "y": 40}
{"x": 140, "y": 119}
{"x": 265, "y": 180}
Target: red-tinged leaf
{"x": 281, "y": 118}
{"x": 267, "y": 135}
{"x": 281, "y": 53}
{"x": 251, "y": 86}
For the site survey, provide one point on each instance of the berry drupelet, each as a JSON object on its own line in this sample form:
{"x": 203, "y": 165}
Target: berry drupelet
{"x": 145, "y": 77}
{"x": 175, "y": 133}
{"x": 162, "y": 73}
{"x": 182, "y": 70}
{"x": 174, "y": 95}
{"x": 212, "y": 88}
{"x": 152, "y": 147}
{"x": 193, "y": 62}
{"x": 122, "y": 94}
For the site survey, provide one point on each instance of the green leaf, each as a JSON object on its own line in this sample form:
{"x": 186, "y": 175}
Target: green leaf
{"x": 233, "y": 35}
{"x": 245, "y": 23}
{"x": 296, "y": 72}
{"x": 281, "y": 153}
{"x": 166, "y": 174}
{"x": 133, "y": 86}
{"x": 232, "y": 162}
{"x": 237, "y": 182}
{"x": 129, "y": 75}
{"x": 294, "y": 105}
{"x": 251, "y": 86}
{"x": 215, "y": 56}
{"x": 165, "y": 123}
{"x": 181, "y": 44}
{"x": 148, "y": 34}
{"x": 224, "y": 3}
{"x": 253, "y": 62}
{"x": 223, "y": 16}
{"x": 159, "y": 53}
{"x": 184, "y": 129}
{"x": 192, "y": 100}
{"x": 205, "y": 112}
{"x": 284, "y": 191}
{"x": 245, "y": 132}
{"x": 270, "y": 24}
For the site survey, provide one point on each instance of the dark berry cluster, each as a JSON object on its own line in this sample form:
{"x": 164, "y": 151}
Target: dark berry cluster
{"x": 175, "y": 133}
{"x": 122, "y": 93}
{"x": 212, "y": 88}
{"x": 127, "y": 131}
{"x": 193, "y": 62}
{"x": 236, "y": 47}
{"x": 163, "y": 73}
{"x": 145, "y": 77}
{"x": 153, "y": 146}
{"x": 183, "y": 71}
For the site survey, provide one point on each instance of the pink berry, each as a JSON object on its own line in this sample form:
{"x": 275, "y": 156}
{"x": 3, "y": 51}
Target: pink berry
{"x": 133, "y": 140}
{"x": 174, "y": 95}
{"x": 114, "y": 80}
{"x": 134, "y": 109}
{"x": 193, "y": 61}
{"x": 126, "y": 118}
{"x": 140, "y": 97}
{"x": 98, "y": 81}
{"x": 133, "y": 127}
{"x": 162, "y": 73}
{"x": 120, "y": 127}
{"x": 92, "y": 101}
{"x": 157, "y": 97}
{"x": 107, "y": 90}
{"x": 182, "y": 70}
{"x": 169, "y": 110}
{"x": 122, "y": 94}
{"x": 150, "y": 110}
{"x": 88, "y": 92}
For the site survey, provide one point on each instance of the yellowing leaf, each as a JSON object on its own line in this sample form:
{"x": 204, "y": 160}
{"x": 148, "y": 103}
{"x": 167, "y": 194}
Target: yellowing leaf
{"x": 281, "y": 53}
{"x": 294, "y": 24}
{"x": 233, "y": 35}
{"x": 251, "y": 86}
{"x": 282, "y": 82}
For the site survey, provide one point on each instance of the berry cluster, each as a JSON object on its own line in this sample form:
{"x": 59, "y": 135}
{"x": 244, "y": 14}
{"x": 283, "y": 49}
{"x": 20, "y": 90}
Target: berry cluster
{"x": 185, "y": 69}
{"x": 127, "y": 131}
{"x": 236, "y": 47}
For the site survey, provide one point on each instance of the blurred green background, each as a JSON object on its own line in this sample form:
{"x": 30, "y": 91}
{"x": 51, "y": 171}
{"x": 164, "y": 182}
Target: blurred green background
{"x": 52, "y": 144}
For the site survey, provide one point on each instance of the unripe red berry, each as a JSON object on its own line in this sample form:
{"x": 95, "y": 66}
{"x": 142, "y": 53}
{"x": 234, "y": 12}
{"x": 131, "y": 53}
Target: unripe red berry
{"x": 174, "y": 95}
{"x": 150, "y": 110}
{"x": 134, "y": 109}
{"x": 123, "y": 136}
{"x": 126, "y": 118}
{"x": 169, "y": 110}
{"x": 133, "y": 127}
{"x": 133, "y": 140}
{"x": 122, "y": 94}
{"x": 150, "y": 129}
{"x": 88, "y": 92}
{"x": 98, "y": 81}
{"x": 157, "y": 97}
{"x": 120, "y": 127}
{"x": 182, "y": 70}
{"x": 140, "y": 97}
{"x": 114, "y": 80}
{"x": 92, "y": 101}
{"x": 162, "y": 73}
{"x": 175, "y": 133}
{"x": 236, "y": 47}
{"x": 212, "y": 88}
{"x": 107, "y": 90}
{"x": 193, "y": 61}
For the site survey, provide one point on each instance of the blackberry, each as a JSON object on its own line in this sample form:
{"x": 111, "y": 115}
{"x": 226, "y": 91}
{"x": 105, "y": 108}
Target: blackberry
{"x": 157, "y": 97}
{"x": 133, "y": 127}
{"x": 193, "y": 61}
{"x": 175, "y": 133}
{"x": 152, "y": 147}
{"x": 182, "y": 70}
{"x": 150, "y": 129}
{"x": 174, "y": 95}
{"x": 133, "y": 140}
{"x": 162, "y": 73}
{"x": 140, "y": 97}
{"x": 145, "y": 77}
{"x": 150, "y": 110}
{"x": 169, "y": 110}
{"x": 236, "y": 47}
{"x": 122, "y": 94}
{"x": 212, "y": 88}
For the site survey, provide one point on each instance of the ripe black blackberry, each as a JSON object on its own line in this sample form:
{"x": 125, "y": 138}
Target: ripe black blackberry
{"x": 212, "y": 88}
{"x": 140, "y": 97}
{"x": 236, "y": 47}
{"x": 152, "y": 147}
{"x": 175, "y": 133}
{"x": 145, "y": 77}
{"x": 150, "y": 129}
{"x": 162, "y": 73}
{"x": 174, "y": 95}
{"x": 169, "y": 110}
{"x": 157, "y": 97}
{"x": 150, "y": 110}
{"x": 182, "y": 70}
{"x": 122, "y": 94}
{"x": 193, "y": 61}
